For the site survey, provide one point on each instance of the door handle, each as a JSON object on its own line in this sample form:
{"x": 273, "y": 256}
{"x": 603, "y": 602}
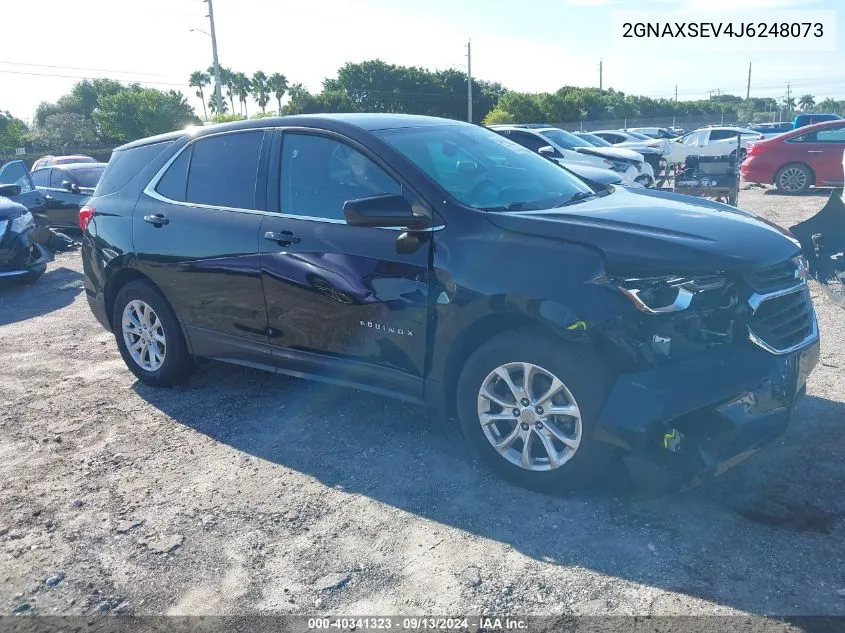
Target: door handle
{"x": 282, "y": 238}
{"x": 158, "y": 220}
{"x": 815, "y": 151}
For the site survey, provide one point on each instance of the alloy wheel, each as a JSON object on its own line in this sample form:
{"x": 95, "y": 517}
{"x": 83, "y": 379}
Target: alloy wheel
{"x": 143, "y": 334}
{"x": 529, "y": 416}
{"x": 792, "y": 179}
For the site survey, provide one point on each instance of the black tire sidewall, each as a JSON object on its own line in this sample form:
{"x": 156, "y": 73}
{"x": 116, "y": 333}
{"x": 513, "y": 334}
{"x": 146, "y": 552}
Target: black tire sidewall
{"x": 176, "y": 366}
{"x": 587, "y": 380}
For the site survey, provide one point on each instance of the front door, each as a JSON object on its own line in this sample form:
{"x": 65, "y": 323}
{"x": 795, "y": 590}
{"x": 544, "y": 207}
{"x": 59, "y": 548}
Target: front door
{"x": 341, "y": 300}
{"x": 196, "y": 236}
{"x": 15, "y": 173}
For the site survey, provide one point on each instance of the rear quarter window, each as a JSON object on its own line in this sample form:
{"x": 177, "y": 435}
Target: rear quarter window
{"x": 125, "y": 164}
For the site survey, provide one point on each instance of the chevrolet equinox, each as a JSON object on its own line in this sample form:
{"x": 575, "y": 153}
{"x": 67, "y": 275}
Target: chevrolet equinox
{"x": 562, "y": 321}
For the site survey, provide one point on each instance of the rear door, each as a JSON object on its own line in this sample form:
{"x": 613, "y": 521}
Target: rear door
{"x": 342, "y": 301}
{"x": 62, "y": 202}
{"x": 195, "y": 231}
{"x": 822, "y": 151}
{"x": 15, "y": 173}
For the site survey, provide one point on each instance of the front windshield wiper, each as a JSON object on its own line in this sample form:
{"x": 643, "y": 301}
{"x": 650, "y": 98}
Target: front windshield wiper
{"x": 576, "y": 197}
{"x": 513, "y": 206}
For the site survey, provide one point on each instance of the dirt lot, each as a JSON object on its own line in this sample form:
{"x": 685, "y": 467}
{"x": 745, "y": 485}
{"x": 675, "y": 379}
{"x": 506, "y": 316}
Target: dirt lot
{"x": 244, "y": 492}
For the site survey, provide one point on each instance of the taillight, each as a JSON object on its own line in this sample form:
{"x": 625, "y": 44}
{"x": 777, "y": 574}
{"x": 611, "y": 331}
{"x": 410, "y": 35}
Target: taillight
{"x": 755, "y": 149}
{"x": 85, "y": 215}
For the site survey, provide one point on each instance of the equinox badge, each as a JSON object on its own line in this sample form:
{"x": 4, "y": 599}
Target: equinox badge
{"x": 386, "y": 328}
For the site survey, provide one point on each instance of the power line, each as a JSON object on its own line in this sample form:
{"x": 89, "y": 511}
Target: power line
{"x": 98, "y": 70}
{"x": 121, "y": 80}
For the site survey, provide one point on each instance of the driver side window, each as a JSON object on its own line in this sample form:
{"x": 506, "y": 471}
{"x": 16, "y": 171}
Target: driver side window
{"x": 319, "y": 174}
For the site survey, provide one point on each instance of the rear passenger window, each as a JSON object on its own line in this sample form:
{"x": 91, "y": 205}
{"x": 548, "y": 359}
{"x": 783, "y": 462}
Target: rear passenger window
{"x": 125, "y": 164}
{"x": 174, "y": 182}
{"x": 41, "y": 177}
{"x": 223, "y": 170}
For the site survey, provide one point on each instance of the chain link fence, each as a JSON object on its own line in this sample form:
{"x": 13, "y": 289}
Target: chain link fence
{"x": 687, "y": 122}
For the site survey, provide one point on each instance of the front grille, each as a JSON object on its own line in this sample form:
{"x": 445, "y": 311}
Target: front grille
{"x": 774, "y": 278}
{"x": 784, "y": 322}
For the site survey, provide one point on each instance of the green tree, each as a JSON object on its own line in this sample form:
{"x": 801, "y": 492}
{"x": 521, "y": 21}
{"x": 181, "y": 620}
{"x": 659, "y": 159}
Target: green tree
{"x": 212, "y": 106}
{"x": 139, "y": 112}
{"x": 278, "y": 83}
{"x": 498, "y": 116}
{"x": 260, "y": 89}
{"x": 829, "y": 105}
{"x": 65, "y": 130}
{"x": 243, "y": 88}
{"x": 806, "y": 102}
{"x": 301, "y": 101}
{"x": 789, "y": 104}
{"x": 12, "y": 132}
{"x": 227, "y": 79}
{"x": 199, "y": 80}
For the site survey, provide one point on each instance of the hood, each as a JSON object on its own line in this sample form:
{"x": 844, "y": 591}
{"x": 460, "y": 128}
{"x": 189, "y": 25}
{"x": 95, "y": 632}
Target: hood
{"x": 612, "y": 153}
{"x": 639, "y": 146}
{"x": 642, "y": 231}
{"x": 10, "y": 208}
{"x": 596, "y": 174}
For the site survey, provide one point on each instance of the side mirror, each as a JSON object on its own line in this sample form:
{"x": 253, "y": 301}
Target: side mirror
{"x": 548, "y": 151}
{"x": 69, "y": 186}
{"x": 10, "y": 191}
{"x": 383, "y": 211}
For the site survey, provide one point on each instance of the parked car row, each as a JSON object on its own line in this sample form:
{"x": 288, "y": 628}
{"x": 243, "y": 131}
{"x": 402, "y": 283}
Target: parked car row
{"x": 56, "y": 188}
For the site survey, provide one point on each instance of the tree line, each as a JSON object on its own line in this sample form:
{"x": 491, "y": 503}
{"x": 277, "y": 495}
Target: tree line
{"x": 104, "y": 112}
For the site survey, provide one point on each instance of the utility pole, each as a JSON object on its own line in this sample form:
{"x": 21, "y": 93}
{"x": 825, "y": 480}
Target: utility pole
{"x": 469, "y": 80}
{"x": 601, "y": 83}
{"x": 676, "y": 93}
{"x": 788, "y": 96}
{"x": 218, "y": 96}
{"x": 748, "y": 88}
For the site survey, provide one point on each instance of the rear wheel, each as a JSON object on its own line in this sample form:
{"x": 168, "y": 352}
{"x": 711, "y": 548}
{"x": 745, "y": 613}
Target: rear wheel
{"x": 794, "y": 178}
{"x": 149, "y": 337}
{"x": 528, "y": 407}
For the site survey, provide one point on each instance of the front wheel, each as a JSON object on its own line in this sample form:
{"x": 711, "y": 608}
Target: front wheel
{"x": 149, "y": 337}
{"x": 528, "y": 407}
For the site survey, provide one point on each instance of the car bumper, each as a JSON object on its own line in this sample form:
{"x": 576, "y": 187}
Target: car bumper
{"x": 700, "y": 414}
{"x": 19, "y": 256}
{"x": 752, "y": 170}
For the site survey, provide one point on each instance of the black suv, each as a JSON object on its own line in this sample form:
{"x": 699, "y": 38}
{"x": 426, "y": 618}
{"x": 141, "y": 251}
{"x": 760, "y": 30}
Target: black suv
{"x": 437, "y": 262}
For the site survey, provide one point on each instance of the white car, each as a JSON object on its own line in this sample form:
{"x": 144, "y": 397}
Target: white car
{"x": 712, "y": 141}
{"x": 567, "y": 149}
{"x": 653, "y": 132}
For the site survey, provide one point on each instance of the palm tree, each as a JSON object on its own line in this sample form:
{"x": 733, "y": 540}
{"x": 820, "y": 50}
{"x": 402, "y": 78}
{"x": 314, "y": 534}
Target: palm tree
{"x": 260, "y": 90}
{"x": 212, "y": 106}
{"x": 278, "y": 83}
{"x": 828, "y": 105}
{"x": 789, "y": 104}
{"x": 243, "y": 88}
{"x": 806, "y": 102}
{"x": 198, "y": 80}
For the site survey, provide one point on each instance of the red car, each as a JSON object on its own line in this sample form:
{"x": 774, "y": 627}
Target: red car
{"x": 794, "y": 161}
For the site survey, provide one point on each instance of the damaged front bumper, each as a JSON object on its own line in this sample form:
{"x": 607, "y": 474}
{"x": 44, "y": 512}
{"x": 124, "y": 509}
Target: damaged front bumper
{"x": 19, "y": 256}
{"x": 699, "y": 415}
{"x": 711, "y": 389}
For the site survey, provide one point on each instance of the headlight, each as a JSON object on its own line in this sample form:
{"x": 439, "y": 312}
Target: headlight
{"x": 22, "y": 222}
{"x": 658, "y": 295}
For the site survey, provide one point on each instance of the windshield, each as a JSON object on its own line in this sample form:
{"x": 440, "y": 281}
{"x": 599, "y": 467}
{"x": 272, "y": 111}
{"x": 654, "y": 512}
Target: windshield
{"x": 642, "y": 137}
{"x": 595, "y": 140}
{"x": 65, "y": 160}
{"x": 89, "y": 176}
{"x": 481, "y": 169}
{"x": 564, "y": 139}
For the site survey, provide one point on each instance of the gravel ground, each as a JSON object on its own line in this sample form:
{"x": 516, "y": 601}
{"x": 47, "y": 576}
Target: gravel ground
{"x": 244, "y": 492}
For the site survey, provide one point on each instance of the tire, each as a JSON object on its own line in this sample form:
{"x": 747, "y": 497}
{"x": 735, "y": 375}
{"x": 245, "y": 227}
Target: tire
{"x": 794, "y": 179}
{"x": 172, "y": 365}
{"x": 585, "y": 384}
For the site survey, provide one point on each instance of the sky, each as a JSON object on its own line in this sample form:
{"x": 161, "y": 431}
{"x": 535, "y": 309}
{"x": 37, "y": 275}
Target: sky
{"x": 527, "y": 45}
